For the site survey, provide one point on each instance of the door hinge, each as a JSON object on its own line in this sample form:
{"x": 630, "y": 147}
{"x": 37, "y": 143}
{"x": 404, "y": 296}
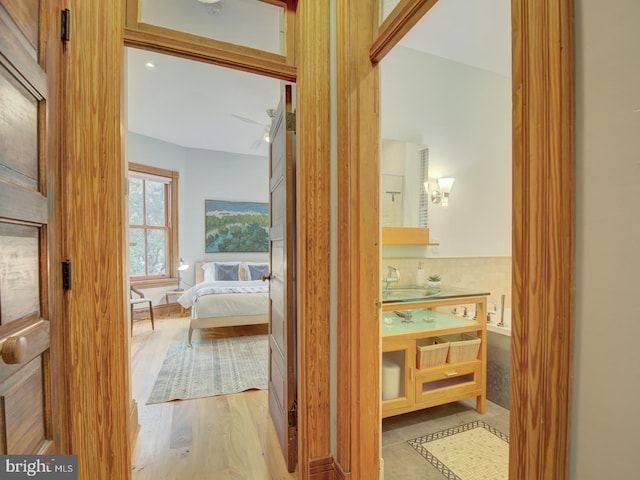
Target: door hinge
{"x": 291, "y": 122}
{"x": 293, "y": 416}
{"x": 65, "y": 24}
{"x": 66, "y": 274}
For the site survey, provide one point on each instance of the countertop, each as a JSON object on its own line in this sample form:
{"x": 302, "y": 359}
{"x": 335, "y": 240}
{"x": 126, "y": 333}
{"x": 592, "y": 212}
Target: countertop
{"x": 416, "y": 294}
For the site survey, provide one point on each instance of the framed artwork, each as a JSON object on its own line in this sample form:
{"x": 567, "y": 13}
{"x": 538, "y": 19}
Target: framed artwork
{"x": 236, "y": 226}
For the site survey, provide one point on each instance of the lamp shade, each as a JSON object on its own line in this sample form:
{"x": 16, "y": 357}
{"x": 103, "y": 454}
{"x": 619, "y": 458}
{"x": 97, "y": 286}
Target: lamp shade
{"x": 446, "y": 184}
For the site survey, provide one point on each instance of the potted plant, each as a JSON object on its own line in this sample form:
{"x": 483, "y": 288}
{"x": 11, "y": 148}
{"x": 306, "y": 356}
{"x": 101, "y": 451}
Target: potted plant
{"x": 433, "y": 281}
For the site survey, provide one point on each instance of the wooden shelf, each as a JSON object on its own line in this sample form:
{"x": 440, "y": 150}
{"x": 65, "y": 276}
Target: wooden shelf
{"x": 405, "y": 236}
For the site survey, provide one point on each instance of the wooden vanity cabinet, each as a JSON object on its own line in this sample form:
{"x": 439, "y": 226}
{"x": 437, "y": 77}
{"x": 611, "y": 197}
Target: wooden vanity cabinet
{"x": 437, "y": 385}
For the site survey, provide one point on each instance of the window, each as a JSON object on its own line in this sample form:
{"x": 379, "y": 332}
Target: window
{"x": 153, "y": 231}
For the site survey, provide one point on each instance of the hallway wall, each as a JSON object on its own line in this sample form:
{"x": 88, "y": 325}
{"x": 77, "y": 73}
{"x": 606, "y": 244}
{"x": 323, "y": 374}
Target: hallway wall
{"x": 604, "y": 417}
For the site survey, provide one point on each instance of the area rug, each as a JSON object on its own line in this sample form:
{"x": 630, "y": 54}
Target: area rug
{"x": 212, "y": 367}
{"x": 474, "y": 451}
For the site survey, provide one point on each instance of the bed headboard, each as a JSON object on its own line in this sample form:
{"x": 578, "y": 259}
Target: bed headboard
{"x": 199, "y": 272}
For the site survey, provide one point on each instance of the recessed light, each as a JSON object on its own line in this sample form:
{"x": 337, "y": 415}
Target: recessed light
{"x": 208, "y": 1}
{"x": 149, "y": 65}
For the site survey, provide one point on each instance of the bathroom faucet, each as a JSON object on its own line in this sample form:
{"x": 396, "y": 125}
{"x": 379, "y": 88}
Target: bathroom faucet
{"x": 492, "y": 312}
{"x": 393, "y": 276}
{"x": 495, "y": 304}
{"x": 501, "y": 322}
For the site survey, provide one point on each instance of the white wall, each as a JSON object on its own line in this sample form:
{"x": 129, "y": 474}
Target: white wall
{"x": 463, "y": 114}
{"x": 605, "y": 423}
{"x": 204, "y": 175}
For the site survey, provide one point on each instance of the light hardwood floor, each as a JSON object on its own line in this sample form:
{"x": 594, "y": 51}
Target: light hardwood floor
{"x": 223, "y": 437}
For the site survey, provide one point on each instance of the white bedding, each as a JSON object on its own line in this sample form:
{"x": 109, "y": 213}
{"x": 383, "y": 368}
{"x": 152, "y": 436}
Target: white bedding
{"x": 227, "y": 298}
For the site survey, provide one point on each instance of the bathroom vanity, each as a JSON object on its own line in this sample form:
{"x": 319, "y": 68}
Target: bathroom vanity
{"x": 406, "y": 341}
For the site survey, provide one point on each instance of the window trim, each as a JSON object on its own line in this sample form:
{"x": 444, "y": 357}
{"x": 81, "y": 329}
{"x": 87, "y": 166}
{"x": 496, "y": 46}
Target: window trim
{"x": 172, "y": 247}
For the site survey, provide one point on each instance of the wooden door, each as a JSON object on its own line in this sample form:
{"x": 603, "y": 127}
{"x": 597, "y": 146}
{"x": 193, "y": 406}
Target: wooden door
{"x": 29, "y": 151}
{"x": 282, "y": 355}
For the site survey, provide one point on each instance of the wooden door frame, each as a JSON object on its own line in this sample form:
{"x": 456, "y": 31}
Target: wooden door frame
{"x": 543, "y": 233}
{"x": 92, "y": 186}
{"x": 310, "y": 21}
{"x": 98, "y": 405}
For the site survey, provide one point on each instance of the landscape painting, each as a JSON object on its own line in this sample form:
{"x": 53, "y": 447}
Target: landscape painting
{"x": 236, "y": 226}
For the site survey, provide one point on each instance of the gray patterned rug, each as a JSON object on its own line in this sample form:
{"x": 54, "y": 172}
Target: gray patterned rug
{"x": 212, "y": 367}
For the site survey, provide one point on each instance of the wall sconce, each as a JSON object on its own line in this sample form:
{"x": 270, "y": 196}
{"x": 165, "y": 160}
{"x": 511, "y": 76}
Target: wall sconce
{"x": 181, "y": 268}
{"x": 441, "y": 195}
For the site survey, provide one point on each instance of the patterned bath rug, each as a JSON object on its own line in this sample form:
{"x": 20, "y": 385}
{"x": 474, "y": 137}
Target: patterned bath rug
{"x": 474, "y": 451}
{"x": 212, "y": 367}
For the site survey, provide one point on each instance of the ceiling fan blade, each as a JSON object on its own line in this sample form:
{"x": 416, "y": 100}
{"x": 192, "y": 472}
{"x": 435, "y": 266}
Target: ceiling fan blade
{"x": 257, "y": 143}
{"x": 248, "y": 120}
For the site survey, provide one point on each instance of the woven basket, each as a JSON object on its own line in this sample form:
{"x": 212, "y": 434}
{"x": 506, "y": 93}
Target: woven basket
{"x": 431, "y": 352}
{"x": 462, "y": 347}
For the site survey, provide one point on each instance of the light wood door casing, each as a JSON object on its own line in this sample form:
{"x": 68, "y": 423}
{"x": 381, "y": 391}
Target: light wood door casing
{"x": 29, "y": 153}
{"x": 282, "y": 355}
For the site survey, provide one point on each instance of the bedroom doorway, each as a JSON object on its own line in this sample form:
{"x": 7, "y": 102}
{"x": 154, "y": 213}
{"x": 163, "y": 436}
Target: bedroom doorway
{"x": 235, "y": 174}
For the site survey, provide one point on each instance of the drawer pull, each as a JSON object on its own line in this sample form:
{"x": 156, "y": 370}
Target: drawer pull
{"x": 451, "y": 374}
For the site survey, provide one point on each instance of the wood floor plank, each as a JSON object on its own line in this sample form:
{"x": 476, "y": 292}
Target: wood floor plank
{"x": 181, "y": 431}
{"x": 222, "y": 437}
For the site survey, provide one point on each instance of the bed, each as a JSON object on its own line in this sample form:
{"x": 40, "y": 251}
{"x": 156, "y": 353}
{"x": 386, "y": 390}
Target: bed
{"x": 227, "y": 294}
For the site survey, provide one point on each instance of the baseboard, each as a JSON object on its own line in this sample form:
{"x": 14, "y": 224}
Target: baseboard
{"x": 321, "y": 468}
{"x": 338, "y": 473}
{"x": 169, "y": 310}
{"x": 326, "y": 468}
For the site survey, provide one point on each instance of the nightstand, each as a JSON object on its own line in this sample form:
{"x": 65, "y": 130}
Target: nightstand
{"x": 176, "y": 294}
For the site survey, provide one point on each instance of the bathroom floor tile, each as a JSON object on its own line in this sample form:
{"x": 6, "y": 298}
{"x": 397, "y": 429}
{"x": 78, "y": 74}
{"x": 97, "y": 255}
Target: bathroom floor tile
{"x": 402, "y": 462}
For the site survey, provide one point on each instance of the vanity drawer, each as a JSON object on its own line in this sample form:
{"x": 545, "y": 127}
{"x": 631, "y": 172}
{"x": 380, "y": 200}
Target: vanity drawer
{"x": 447, "y": 383}
{"x": 448, "y": 370}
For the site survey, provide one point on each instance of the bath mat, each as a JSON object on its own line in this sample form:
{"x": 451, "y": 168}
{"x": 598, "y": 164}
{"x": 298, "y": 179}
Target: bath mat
{"x": 212, "y": 367}
{"x": 474, "y": 451}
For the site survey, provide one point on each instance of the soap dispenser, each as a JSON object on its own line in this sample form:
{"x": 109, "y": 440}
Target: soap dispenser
{"x": 421, "y": 276}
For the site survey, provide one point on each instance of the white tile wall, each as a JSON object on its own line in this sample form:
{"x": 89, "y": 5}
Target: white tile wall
{"x": 491, "y": 274}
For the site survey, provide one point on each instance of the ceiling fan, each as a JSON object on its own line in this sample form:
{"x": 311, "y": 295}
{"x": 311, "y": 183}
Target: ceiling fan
{"x": 266, "y": 127}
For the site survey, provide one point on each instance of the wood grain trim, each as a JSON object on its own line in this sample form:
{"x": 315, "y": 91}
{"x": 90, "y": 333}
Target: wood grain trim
{"x": 402, "y": 19}
{"x": 358, "y": 336}
{"x": 405, "y": 236}
{"x": 96, "y": 308}
{"x": 18, "y": 60}
{"x": 543, "y": 236}
{"x": 312, "y": 235}
{"x": 225, "y": 54}
{"x": 543, "y": 241}
{"x": 339, "y": 473}
{"x": 51, "y": 53}
{"x": 321, "y": 468}
{"x": 33, "y": 207}
{"x": 216, "y": 55}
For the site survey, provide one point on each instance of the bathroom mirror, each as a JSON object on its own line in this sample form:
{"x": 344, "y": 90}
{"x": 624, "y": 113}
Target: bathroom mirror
{"x": 404, "y": 167}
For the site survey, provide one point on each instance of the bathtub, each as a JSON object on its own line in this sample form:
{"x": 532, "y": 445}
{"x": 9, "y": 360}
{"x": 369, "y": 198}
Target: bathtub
{"x": 495, "y": 319}
{"x": 499, "y": 360}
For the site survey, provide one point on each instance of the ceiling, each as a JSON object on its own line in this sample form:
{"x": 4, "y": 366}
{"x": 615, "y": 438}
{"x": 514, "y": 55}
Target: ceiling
{"x": 197, "y": 105}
